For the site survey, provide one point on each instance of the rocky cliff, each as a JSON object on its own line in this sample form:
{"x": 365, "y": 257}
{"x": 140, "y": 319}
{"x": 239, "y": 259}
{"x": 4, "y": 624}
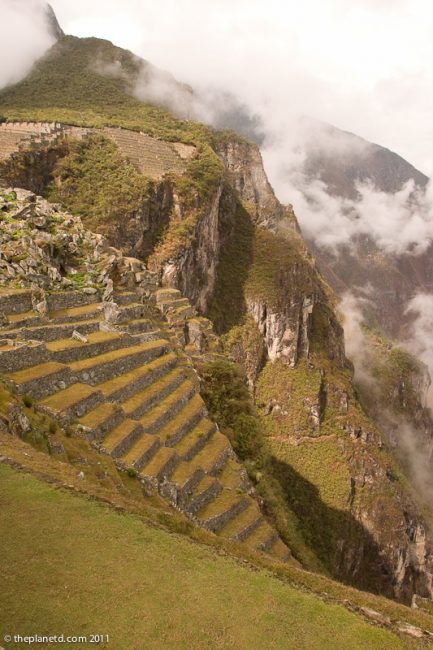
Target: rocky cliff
{"x": 279, "y": 323}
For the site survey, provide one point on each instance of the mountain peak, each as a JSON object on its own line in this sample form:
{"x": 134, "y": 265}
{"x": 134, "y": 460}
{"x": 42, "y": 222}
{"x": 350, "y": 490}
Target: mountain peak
{"x": 52, "y": 22}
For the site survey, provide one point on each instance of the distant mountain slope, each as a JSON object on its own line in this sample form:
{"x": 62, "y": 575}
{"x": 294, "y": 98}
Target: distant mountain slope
{"x": 340, "y": 159}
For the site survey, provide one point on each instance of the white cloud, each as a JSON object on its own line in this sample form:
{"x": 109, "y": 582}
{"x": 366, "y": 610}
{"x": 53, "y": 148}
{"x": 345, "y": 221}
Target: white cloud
{"x": 398, "y": 223}
{"x": 24, "y": 37}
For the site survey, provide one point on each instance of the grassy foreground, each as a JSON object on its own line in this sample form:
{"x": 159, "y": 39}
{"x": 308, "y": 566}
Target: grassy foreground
{"x": 76, "y": 567}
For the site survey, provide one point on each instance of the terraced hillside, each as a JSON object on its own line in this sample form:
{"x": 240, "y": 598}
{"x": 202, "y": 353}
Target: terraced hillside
{"x": 152, "y": 157}
{"x": 130, "y": 392}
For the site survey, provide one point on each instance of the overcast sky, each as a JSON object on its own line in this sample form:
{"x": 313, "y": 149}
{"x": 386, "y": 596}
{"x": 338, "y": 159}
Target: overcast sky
{"x": 363, "y": 65}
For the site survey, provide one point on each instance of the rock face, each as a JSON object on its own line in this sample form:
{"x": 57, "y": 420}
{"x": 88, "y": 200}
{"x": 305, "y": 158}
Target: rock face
{"x": 287, "y": 331}
{"x": 53, "y": 24}
{"x": 357, "y": 160}
{"x": 244, "y": 162}
{"x": 193, "y": 271}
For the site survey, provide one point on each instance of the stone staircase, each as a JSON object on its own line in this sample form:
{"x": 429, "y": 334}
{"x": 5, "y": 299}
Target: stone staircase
{"x": 130, "y": 392}
{"x": 151, "y": 157}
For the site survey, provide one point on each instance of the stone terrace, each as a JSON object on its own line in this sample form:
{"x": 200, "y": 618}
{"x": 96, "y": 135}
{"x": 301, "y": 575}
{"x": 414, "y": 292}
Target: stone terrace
{"x": 151, "y": 157}
{"x": 133, "y": 395}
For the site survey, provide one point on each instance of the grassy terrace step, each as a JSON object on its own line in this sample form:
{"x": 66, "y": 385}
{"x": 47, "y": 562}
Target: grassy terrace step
{"x": 50, "y": 332}
{"x": 67, "y": 350}
{"x": 117, "y": 362}
{"x": 195, "y": 439}
{"x": 159, "y": 466}
{"x": 25, "y": 318}
{"x": 181, "y": 483}
{"x": 125, "y": 297}
{"x": 16, "y": 300}
{"x": 158, "y": 415}
{"x": 168, "y": 304}
{"x": 123, "y": 386}
{"x": 279, "y": 550}
{"x": 144, "y": 448}
{"x": 205, "y": 491}
{"x": 180, "y": 314}
{"x": 263, "y": 537}
{"x": 102, "y": 419}
{"x": 94, "y": 310}
{"x": 82, "y": 312}
{"x": 69, "y": 299}
{"x": 132, "y": 310}
{"x": 167, "y": 294}
{"x": 222, "y": 509}
{"x": 232, "y": 475}
{"x": 178, "y": 426}
{"x": 122, "y": 436}
{"x": 214, "y": 454}
{"x": 41, "y": 380}
{"x": 244, "y": 524}
{"x": 143, "y": 400}
{"x": 140, "y": 326}
{"x": 72, "y": 402}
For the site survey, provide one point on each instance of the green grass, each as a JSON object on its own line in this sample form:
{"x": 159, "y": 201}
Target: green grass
{"x": 112, "y": 574}
{"x": 277, "y": 260}
{"x": 95, "y": 181}
{"x": 229, "y": 403}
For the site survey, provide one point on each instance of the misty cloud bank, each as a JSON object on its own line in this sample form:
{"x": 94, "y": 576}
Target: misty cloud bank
{"x": 24, "y": 38}
{"x": 207, "y": 104}
{"x": 419, "y": 340}
{"x": 412, "y": 446}
{"x": 400, "y": 222}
